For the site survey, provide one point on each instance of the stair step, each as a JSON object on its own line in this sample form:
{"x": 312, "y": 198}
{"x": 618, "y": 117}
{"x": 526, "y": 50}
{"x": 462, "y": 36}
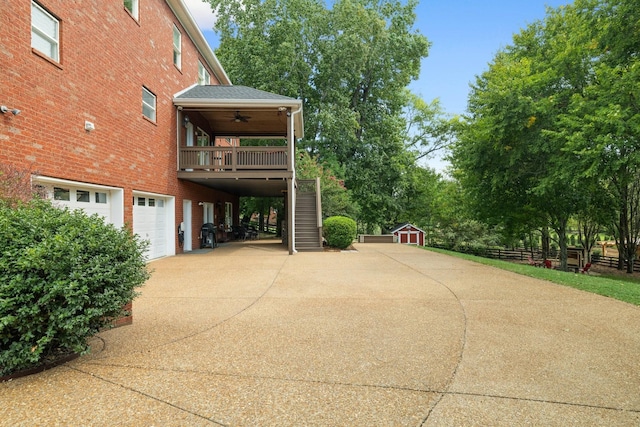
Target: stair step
{"x": 306, "y": 233}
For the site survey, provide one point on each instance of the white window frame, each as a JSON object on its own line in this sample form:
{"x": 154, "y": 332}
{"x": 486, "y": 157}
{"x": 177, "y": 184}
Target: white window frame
{"x": 39, "y": 34}
{"x": 177, "y": 47}
{"x": 151, "y": 107}
{"x": 134, "y": 8}
{"x": 203, "y": 140}
{"x": 204, "y": 78}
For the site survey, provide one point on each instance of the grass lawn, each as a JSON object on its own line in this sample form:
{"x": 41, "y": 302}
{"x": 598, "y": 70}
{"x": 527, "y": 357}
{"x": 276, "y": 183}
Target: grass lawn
{"x": 614, "y": 286}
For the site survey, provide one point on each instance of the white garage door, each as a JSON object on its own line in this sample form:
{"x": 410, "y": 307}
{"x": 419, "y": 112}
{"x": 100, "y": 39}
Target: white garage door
{"x": 150, "y": 223}
{"x": 90, "y": 200}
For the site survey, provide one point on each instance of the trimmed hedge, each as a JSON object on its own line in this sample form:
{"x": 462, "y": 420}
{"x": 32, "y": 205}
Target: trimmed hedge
{"x": 63, "y": 277}
{"x": 339, "y": 231}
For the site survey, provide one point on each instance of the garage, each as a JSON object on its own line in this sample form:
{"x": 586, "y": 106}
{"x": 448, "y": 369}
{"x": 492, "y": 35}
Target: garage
{"x": 409, "y": 234}
{"x": 92, "y": 199}
{"x": 152, "y": 220}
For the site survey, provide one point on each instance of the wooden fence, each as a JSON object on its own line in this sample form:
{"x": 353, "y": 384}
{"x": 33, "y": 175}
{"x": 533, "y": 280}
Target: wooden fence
{"x": 523, "y": 255}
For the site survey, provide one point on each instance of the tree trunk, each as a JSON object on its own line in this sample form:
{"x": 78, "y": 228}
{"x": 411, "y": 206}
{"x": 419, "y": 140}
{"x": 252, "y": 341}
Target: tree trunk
{"x": 630, "y": 256}
{"x": 546, "y": 242}
{"x": 587, "y": 231}
{"x": 623, "y": 249}
{"x": 562, "y": 236}
{"x": 261, "y": 220}
{"x": 561, "y": 229}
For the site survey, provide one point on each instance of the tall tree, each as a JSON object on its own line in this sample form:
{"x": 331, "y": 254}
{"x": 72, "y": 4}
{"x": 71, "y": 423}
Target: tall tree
{"x": 350, "y": 65}
{"x": 602, "y": 124}
{"x": 556, "y": 117}
{"x": 428, "y": 129}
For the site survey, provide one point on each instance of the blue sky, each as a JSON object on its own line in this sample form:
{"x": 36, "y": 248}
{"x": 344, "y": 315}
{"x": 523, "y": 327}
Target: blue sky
{"x": 465, "y": 35}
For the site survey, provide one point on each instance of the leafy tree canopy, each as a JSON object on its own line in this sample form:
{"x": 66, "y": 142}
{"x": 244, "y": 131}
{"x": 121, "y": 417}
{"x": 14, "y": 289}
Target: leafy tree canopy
{"x": 555, "y": 119}
{"x": 350, "y": 64}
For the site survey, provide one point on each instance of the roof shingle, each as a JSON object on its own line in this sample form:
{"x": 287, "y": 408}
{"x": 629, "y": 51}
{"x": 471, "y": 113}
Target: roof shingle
{"x": 230, "y": 93}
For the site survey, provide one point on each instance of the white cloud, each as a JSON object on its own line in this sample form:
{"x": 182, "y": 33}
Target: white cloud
{"x": 202, "y": 13}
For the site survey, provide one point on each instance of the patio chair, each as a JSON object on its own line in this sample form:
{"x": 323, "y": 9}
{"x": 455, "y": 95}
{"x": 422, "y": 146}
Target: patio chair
{"x": 548, "y": 264}
{"x": 585, "y": 269}
{"x": 252, "y": 233}
{"x": 239, "y": 232}
{"x": 534, "y": 262}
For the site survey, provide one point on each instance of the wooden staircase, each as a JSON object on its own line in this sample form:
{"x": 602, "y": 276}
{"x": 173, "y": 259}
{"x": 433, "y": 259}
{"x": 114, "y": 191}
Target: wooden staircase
{"x": 307, "y": 232}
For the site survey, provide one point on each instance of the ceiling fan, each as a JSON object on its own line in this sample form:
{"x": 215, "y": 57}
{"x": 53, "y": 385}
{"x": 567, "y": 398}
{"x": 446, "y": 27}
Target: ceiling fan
{"x": 240, "y": 118}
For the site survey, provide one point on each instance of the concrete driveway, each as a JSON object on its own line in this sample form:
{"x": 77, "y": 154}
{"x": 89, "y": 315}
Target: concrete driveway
{"x": 387, "y": 335}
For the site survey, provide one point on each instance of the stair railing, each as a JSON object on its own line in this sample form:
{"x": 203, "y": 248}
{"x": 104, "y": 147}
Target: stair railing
{"x": 313, "y": 186}
{"x": 319, "y": 209}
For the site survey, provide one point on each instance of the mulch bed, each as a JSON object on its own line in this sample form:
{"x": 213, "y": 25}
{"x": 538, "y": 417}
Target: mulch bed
{"x": 330, "y": 249}
{"x": 56, "y": 359}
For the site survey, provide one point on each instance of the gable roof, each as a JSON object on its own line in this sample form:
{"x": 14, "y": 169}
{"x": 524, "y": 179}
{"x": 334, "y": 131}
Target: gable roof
{"x": 218, "y": 103}
{"x": 401, "y": 226}
{"x": 233, "y": 94}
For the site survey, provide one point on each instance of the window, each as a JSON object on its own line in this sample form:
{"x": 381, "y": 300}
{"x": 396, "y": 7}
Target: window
{"x": 132, "y": 7}
{"x": 142, "y": 201}
{"x": 148, "y": 104}
{"x": 83, "y": 196}
{"x": 45, "y": 32}
{"x": 61, "y": 194}
{"x": 203, "y": 75}
{"x": 152, "y": 202}
{"x": 202, "y": 138}
{"x": 177, "y": 47}
{"x": 101, "y": 197}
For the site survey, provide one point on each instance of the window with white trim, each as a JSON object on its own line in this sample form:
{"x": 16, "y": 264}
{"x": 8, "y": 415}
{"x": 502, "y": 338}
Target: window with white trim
{"x": 101, "y": 197}
{"x": 132, "y": 7}
{"x": 204, "y": 78}
{"x": 177, "y": 47}
{"x": 45, "y": 32}
{"x": 148, "y": 104}
{"x": 203, "y": 140}
{"x": 83, "y": 196}
{"x": 60, "y": 193}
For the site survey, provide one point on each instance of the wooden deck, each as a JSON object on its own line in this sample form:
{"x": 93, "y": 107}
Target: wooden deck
{"x": 233, "y": 159}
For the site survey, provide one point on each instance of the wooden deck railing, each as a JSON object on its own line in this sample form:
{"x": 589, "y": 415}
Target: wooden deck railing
{"x": 225, "y": 159}
{"x": 524, "y": 254}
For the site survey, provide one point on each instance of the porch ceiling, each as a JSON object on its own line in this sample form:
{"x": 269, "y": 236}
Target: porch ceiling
{"x": 262, "y": 114}
{"x": 253, "y": 187}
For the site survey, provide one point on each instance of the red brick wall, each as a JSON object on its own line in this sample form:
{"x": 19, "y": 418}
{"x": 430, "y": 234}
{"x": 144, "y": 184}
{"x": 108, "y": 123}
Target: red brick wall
{"x": 196, "y": 194}
{"x": 106, "y": 57}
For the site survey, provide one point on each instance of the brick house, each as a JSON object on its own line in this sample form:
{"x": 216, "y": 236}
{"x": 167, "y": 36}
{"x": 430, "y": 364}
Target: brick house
{"x": 125, "y": 111}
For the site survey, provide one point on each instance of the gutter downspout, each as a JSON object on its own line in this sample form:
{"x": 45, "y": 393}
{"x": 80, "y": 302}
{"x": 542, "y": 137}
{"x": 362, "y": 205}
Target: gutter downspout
{"x": 291, "y": 187}
{"x": 178, "y": 114}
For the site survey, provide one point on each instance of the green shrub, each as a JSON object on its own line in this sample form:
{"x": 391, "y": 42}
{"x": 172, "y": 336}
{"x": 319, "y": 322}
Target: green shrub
{"x": 339, "y": 231}
{"x": 63, "y": 277}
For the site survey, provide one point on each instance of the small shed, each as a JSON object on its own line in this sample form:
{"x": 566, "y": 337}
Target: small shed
{"x": 409, "y": 234}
